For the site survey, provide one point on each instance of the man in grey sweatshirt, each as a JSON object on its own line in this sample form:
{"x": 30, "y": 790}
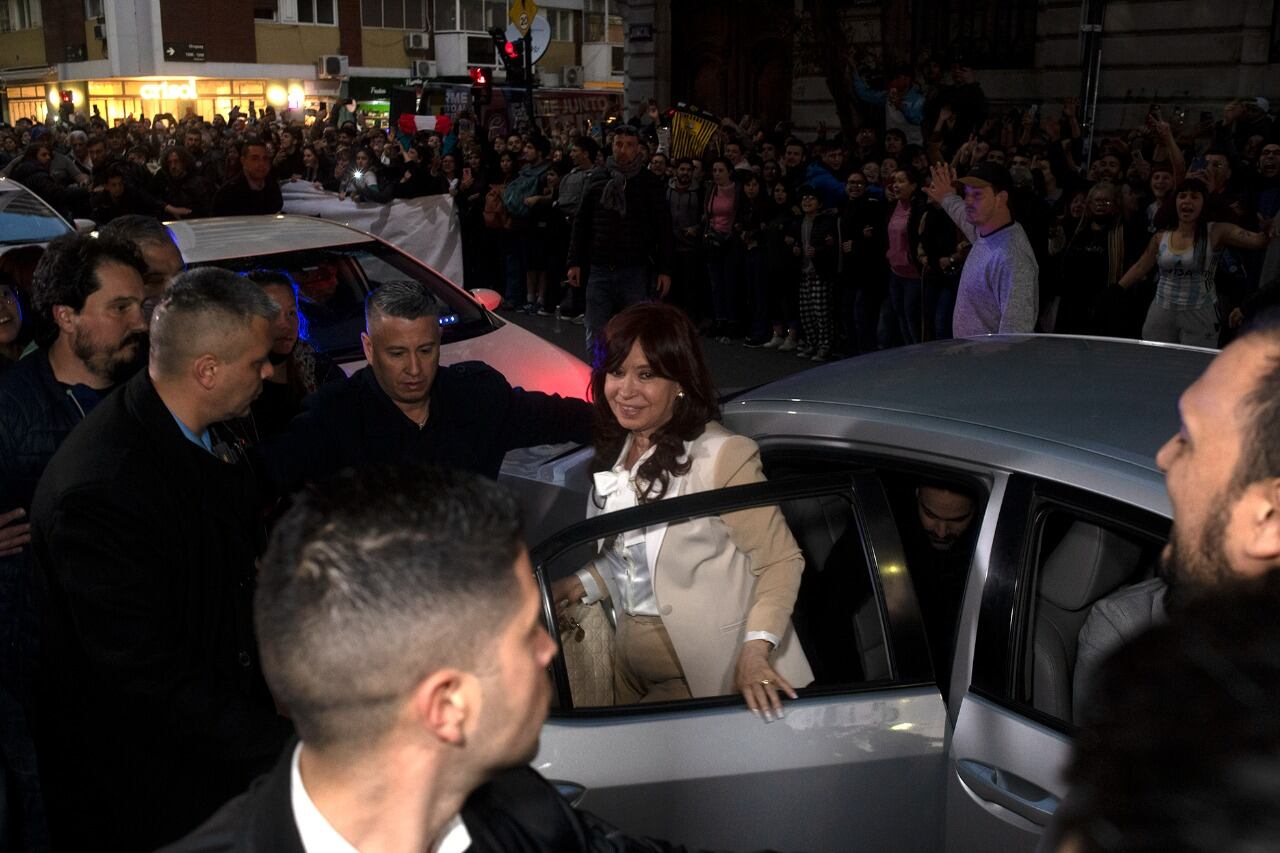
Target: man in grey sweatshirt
{"x": 999, "y": 284}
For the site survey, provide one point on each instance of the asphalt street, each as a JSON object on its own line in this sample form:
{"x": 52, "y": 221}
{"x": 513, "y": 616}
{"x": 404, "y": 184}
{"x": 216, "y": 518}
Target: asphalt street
{"x": 733, "y": 366}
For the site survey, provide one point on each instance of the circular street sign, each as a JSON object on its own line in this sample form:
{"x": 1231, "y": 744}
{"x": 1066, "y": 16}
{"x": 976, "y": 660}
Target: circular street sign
{"x": 541, "y": 31}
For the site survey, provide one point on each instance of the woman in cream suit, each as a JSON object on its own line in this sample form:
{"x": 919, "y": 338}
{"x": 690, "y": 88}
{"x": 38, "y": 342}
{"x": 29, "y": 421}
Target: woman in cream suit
{"x": 704, "y": 606}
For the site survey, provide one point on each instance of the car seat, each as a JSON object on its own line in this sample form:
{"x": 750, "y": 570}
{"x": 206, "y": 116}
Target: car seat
{"x": 837, "y": 616}
{"x": 1087, "y": 565}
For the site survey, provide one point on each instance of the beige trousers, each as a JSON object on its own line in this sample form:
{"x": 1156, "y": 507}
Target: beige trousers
{"x": 646, "y": 668}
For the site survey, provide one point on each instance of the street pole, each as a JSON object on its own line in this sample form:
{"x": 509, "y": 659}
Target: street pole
{"x": 528, "y": 74}
{"x": 1092, "y": 14}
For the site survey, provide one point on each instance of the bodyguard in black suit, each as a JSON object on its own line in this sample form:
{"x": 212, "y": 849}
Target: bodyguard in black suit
{"x": 400, "y": 623}
{"x": 145, "y": 531}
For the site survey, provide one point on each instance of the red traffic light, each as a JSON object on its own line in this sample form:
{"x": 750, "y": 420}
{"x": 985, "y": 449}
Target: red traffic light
{"x": 66, "y": 96}
{"x": 511, "y": 50}
{"x": 478, "y": 76}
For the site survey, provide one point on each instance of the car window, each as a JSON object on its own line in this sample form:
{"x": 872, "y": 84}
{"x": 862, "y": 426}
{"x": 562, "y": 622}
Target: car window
{"x": 26, "y": 219}
{"x": 936, "y": 513}
{"x": 333, "y": 282}
{"x": 1082, "y": 550}
{"x": 836, "y": 637}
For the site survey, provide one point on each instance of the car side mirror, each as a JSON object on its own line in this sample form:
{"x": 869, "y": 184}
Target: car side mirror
{"x": 490, "y": 299}
{"x": 84, "y": 226}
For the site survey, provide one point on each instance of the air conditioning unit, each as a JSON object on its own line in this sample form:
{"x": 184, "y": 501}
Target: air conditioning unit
{"x": 332, "y": 67}
{"x": 417, "y": 41}
{"x": 100, "y": 32}
{"x": 550, "y": 79}
{"x": 573, "y": 77}
{"x": 422, "y": 69}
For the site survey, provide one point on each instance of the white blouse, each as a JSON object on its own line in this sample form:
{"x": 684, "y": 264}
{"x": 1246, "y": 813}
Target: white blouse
{"x": 624, "y": 561}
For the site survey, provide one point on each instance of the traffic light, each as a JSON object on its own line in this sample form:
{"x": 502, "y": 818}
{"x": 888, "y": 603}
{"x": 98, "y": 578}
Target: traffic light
{"x": 481, "y": 87}
{"x": 511, "y": 53}
{"x": 66, "y": 105}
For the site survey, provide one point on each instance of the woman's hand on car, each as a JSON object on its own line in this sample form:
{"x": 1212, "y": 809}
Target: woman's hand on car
{"x": 758, "y": 682}
{"x": 567, "y": 591}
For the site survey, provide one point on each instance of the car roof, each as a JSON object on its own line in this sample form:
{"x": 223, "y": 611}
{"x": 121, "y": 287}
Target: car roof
{"x": 1106, "y": 396}
{"x": 203, "y": 240}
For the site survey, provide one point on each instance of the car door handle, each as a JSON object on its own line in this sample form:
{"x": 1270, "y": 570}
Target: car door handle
{"x": 1005, "y": 789}
{"x": 571, "y": 791}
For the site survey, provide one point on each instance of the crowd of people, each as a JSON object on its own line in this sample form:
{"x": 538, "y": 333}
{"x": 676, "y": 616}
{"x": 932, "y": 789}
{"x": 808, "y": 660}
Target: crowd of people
{"x": 838, "y": 245}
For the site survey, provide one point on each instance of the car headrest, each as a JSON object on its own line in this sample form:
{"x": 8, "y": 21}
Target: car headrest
{"x": 1088, "y": 563}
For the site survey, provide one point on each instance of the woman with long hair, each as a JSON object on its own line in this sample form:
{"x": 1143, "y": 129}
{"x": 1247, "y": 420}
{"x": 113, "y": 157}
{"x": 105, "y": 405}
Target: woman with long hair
{"x": 905, "y": 289}
{"x": 1185, "y": 306}
{"x": 720, "y": 212}
{"x": 180, "y": 185}
{"x": 703, "y": 606}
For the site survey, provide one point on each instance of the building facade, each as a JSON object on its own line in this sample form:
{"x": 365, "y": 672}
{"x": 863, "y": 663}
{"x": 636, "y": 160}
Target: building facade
{"x": 782, "y": 58}
{"x": 117, "y": 58}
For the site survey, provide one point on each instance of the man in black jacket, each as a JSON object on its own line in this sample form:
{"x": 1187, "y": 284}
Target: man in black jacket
{"x": 88, "y": 298}
{"x": 145, "y": 530}
{"x": 255, "y": 191}
{"x": 405, "y": 407}
{"x": 400, "y": 624}
{"x": 623, "y": 231}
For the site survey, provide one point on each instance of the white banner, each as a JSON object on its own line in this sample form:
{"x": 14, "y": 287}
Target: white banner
{"x": 425, "y": 227}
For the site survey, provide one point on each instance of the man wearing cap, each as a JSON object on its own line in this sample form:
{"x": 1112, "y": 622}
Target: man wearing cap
{"x": 998, "y": 286}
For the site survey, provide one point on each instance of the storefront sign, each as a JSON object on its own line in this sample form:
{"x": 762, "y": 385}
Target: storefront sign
{"x": 168, "y": 91}
{"x": 183, "y": 51}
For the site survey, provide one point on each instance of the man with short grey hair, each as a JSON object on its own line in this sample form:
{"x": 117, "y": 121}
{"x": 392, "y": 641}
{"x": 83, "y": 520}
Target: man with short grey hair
{"x": 405, "y": 407}
{"x": 145, "y": 531}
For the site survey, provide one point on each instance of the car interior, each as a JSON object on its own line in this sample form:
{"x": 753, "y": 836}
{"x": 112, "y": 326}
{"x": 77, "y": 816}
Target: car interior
{"x": 1081, "y": 562}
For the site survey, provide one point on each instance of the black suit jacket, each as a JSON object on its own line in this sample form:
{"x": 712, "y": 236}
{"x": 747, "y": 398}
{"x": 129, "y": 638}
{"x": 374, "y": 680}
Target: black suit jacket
{"x": 153, "y": 710}
{"x": 517, "y": 812}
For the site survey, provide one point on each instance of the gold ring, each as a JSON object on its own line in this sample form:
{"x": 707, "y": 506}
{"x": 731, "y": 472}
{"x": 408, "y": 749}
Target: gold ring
{"x": 765, "y": 681}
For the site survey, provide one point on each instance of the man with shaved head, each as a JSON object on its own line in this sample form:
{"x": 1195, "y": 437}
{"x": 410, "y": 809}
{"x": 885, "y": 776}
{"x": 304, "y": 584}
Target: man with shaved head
{"x": 145, "y": 532}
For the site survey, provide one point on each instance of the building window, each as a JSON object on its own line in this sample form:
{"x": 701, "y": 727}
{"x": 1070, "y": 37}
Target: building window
{"x": 309, "y": 12}
{"x": 617, "y": 58}
{"x": 19, "y": 15}
{"x": 474, "y": 16}
{"x": 480, "y": 51}
{"x": 993, "y": 35}
{"x": 395, "y": 14}
{"x": 602, "y": 24}
{"x": 561, "y": 21}
{"x": 1275, "y": 33}
{"x": 93, "y": 9}
{"x": 265, "y": 10}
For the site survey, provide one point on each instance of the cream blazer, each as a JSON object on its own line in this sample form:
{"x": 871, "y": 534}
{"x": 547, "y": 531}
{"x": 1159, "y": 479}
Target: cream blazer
{"x": 717, "y": 577}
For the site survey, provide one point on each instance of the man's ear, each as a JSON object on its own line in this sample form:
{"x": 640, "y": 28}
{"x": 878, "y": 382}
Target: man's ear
{"x": 367, "y": 343}
{"x": 205, "y": 370}
{"x": 446, "y": 703}
{"x": 1263, "y": 543}
{"x": 64, "y": 316}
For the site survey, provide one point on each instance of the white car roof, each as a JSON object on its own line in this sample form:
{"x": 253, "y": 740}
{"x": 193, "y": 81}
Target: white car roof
{"x": 203, "y": 240}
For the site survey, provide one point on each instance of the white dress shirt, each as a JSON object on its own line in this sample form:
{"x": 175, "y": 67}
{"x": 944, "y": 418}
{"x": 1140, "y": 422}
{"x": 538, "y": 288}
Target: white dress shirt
{"x": 319, "y": 836}
{"x": 625, "y": 563}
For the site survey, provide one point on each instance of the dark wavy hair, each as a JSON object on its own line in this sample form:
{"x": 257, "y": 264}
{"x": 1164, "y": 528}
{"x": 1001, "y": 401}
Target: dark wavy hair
{"x": 671, "y": 346}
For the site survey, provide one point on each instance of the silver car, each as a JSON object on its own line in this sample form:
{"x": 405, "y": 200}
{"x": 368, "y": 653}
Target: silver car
{"x": 1055, "y": 440}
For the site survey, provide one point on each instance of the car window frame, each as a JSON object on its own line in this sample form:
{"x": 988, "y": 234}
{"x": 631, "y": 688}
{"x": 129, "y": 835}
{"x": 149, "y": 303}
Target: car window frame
{"x": 1006, "y": 620}
{"x": 909, "y": 667}
{"x": 484, "y": 323}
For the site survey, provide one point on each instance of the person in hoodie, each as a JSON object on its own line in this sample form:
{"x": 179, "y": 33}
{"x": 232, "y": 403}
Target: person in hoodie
{"x": 529, "y": 204}
{"x": 826, "y": 174}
